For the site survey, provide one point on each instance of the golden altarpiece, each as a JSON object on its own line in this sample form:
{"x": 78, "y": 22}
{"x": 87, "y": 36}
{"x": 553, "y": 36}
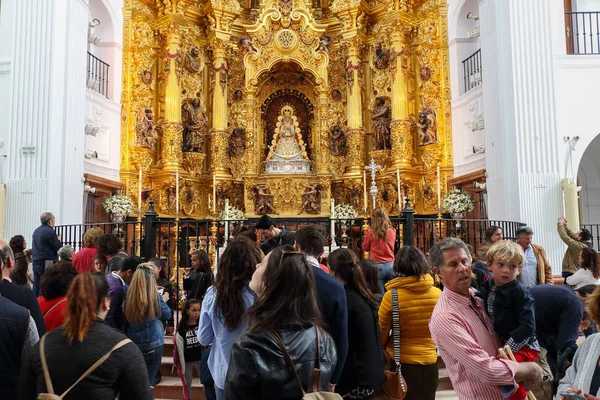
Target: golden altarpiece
{"x": 277, "y": 105}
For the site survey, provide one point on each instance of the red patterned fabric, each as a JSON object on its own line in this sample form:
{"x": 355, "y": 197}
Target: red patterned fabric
{"x": 83, "y": 260}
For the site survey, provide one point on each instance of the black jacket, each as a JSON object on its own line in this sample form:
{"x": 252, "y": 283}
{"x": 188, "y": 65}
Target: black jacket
{"x": 514, "y": 314}
{"x": 19, "y": 274}
{"x": 197, "y": 283}
{"x": 286, "y": 237}
{"x": 124, "y": 372}
{"x": 14, "y": 322}
{"x": 45, "y": 244}
{"x": 25, "y": 298}
{"x": 257, "y": 369}
{"x": 364, "y": 362}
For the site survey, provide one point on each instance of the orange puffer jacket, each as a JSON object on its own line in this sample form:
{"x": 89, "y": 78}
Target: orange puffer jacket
{"x": 416, "y": 299}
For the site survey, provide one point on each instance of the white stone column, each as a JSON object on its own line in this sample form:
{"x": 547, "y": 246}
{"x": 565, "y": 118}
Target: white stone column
{"x": 522, "y": 146}
{"x": 44, "y": 134}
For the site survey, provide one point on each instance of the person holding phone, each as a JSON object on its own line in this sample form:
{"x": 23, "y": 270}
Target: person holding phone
{"x": 582, "y": 380}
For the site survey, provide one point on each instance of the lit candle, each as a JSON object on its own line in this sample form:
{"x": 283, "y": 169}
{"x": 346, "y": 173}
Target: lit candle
{"x": 177, "y": 192}
{"x": 399, "y": 190}
{"x": 365, "y": 191}
{"x": 140, "y": 191}
{"x": 439, "y": 193}
{"x": 214, "y": 192}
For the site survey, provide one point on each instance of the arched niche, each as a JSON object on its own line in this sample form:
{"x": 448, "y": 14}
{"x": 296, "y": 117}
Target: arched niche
{"x": 588, "y": 175}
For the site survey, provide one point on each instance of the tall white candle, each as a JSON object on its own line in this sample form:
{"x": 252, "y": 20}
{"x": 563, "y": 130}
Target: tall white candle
{"x": 177, "y": 192}
{"x": 439, "y": 192}
{"x": 365, "y": 191}
{"x": 140, "y": 191}
{"x": 399, "y": 189}
{"x": 214, "y": 192}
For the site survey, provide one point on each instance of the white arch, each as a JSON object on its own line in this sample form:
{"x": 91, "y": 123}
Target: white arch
{"x": 588, "y": 172}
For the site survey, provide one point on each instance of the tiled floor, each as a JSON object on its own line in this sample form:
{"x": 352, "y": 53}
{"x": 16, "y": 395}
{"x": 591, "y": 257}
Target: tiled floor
{"x": 446, "y": 395}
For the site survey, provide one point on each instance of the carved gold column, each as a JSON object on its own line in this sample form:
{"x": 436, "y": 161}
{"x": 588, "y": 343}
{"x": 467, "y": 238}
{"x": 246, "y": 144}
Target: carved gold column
{"x": 172, "y": 130}
{"x": 356, "y": 143}
{"x": 251, "y": 133}
{"x": 219, "y": 132}
{"x": 320, "y": 142}
{"x": 401, "y": 130}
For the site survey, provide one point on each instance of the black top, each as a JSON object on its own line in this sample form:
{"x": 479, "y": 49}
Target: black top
{"x": 14, "y": 323}
{"x": 45, "y": 243}
{"x": 19, "y": 274}
{"x": 595, "y": 385}
{"x": 123, "y": 373}
{"x": 192, "y": 350}
{"x": 25, "y": 298}
{"x": 258, "y": 370}
{"x": 364, "y": 362}
{"x": 514, "y": 314}
{"x": 197, "y": 283}
{"x": 286, "y": 237}
{"x": 558, "y": 313}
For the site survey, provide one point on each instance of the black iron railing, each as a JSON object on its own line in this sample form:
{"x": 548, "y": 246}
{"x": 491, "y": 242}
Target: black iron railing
{"x": 472, "y": 71}
{"x": 595, "y": 230}
{"x": 582, "y": 30}
{"x": 97, "y": 75}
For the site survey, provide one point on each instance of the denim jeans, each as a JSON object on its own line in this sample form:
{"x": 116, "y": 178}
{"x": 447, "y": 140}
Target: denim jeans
{"x": 219, "y": 393}
{"x": 152, "y": 359}
{"x": 386, "y": 274}
{"x": 37, "y": 277}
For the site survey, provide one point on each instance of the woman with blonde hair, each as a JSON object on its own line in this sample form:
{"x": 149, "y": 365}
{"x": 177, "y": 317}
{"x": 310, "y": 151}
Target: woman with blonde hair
{"x": 379, "y": 241}
{"x": 144, "y": 311}
{"x": 83, "y": 261}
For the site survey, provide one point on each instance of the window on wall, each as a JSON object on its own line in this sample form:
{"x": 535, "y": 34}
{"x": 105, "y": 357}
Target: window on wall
{"x": 582, "y": 26}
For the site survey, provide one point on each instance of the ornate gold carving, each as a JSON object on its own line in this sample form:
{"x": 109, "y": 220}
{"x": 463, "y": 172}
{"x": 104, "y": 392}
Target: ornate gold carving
{"x": 218, "y": 150}
{"x": 402, "y": 141}
{"x": 193, "y": 162}
{"x": 171, "y": 149}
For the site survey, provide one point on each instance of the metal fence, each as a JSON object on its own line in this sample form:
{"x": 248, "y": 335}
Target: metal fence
{"x": 583, "y": 32}
{"x": 472, "y": 70}
{"x": 97, "y": 74}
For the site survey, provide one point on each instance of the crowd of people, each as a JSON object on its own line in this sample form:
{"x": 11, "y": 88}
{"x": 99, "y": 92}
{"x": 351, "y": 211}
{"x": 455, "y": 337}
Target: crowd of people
{"x": 279, "y": 320}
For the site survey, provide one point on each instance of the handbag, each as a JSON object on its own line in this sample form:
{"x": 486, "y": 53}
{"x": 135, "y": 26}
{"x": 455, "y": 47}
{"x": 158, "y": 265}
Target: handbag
{"x": 51, "y": 395}
{"x": 314, "y": 385}
{"x": 394, "y": 387}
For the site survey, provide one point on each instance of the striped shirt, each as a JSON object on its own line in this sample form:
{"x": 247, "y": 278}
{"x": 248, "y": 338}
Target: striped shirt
{"x": 468, "y": 345}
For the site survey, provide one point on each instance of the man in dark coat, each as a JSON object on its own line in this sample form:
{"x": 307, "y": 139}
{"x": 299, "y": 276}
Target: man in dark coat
{"x": 273, "y": 237}
{"x": 45, "y": 245}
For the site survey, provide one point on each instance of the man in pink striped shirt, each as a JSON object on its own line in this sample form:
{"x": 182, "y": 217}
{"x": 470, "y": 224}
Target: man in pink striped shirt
{"x": 465, "y": 336}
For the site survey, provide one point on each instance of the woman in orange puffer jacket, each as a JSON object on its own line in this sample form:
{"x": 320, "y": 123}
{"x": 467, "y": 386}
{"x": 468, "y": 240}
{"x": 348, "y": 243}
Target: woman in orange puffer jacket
{"x": 417, "y": 297}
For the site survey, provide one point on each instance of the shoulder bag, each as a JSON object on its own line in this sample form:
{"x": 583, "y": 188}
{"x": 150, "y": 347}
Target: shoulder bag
{"x": 50, "y": 395}
{"x": 395, "y": 387}
{"x": 314, "y": 385}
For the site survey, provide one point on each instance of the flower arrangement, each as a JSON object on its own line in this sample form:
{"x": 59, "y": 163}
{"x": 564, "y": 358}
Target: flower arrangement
{"x": 344, "y": 212}
{"x": 458, "y": 201}
{"x": 118, "y": 204}
{"x": 232, "y": 214}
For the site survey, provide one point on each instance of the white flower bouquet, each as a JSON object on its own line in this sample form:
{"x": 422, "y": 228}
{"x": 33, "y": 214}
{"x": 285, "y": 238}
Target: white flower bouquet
{"x": 232, "y": 214}
{"x": 457, "y": 201}
{"x": 118, "y": 204}
{"x": 344, "y": 212}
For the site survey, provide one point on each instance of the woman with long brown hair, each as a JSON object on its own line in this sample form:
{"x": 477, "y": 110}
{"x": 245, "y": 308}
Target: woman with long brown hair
{"x": 223, "y": 317}
{"x": 589, "y": 273}
{"x": 379, "y": 241}
{"x": 84, "y": 339}
{"x": 493, "y": 234}
{"x": 417, "y": 298}
{"x": 363, "y": 372}
{"x": 285, "y": 317}
{"x": 145, "y": 310}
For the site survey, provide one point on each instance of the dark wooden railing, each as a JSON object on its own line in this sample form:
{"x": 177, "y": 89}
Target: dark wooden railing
{"x": 582, "y": 30}
{"x": 97, "y": 70}
{"x": 472, "y": 70}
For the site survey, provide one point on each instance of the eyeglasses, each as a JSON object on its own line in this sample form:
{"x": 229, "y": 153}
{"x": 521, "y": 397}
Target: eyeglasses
{"x": 286, "y": 253}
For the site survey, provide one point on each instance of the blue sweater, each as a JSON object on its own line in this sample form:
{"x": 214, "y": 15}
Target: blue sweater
{"x": 333, "y": 305}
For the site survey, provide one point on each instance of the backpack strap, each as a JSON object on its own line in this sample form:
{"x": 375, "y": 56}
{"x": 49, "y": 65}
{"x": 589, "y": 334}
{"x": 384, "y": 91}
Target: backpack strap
{"x": 53, "y": 307}
{"x": 85, "y": 374}
{"x": 396, "y": 328}
{"x": 288, "y": 359}
{"x": 49, "y": 386}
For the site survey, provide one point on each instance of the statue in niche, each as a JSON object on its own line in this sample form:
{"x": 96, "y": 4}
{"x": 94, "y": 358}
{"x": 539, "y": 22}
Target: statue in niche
{"x": 337, "y": 140}
{"x": 311, "y": 198}
{"x": 145, "y": 130}
{"x": 221, "y": 196}
{"x": 381, "y": 58}
{"x": 381, "y": 124}
{"x": 237, "y": 142}
{"x": 192, "y": 60}
{"x": 324, "y": 43}
{"x": 336, "y": 95}
{"x": 238, "y": 95}
{"x": 354, "y": 196}
{"x": 263, "y": 201}
{"x": 425, "y": 73}
{"x": 287, "y": 142}
{"x": 427, "y": 127}
{"x": 245, "y": 45}
{"x": 195, "y": 125}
